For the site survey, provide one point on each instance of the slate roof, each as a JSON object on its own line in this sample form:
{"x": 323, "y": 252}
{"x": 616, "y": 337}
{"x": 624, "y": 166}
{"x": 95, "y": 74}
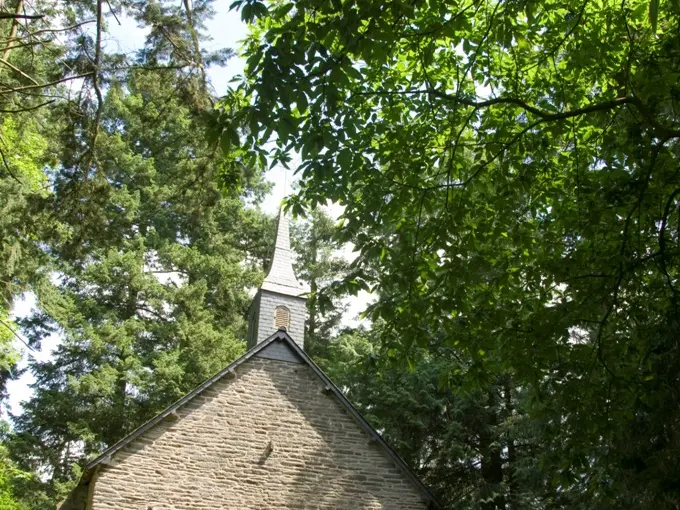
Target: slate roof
{"x": 281, "y": 278}
{"x": 283, "y": 337}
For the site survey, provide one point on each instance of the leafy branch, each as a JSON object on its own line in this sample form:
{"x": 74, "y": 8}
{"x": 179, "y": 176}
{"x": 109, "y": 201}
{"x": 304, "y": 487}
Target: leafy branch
{"x": 545, "y": 115}
{"x": 16, "y": 335}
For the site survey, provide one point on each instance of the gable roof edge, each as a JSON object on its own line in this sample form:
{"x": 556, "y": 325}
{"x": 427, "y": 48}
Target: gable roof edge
{"x": 280, "y": 335}
{"x": 375, "y": 435}
{"x": 179, "y": 403}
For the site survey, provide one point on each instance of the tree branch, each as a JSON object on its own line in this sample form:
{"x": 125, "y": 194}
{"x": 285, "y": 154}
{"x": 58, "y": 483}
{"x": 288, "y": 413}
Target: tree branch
{"x": 175, "y": 45}
{"x": 18, "y": 337}
{"x": 6, "y": 165}
{"x": 95, "y": 74}
{"x": 17, "y": 70}
{"x": 52, "y": 30}
{"x": 621, "y": 272}
{"x": 113, "y": 12}
{"x": 197, "y": 50}
{"x": 29, "y": 108}
{"x": 10, "y": 15}
{"x": 662, "y": 247}
{"x": 546, "y": 116}
{"x": 38, "y": 42}
{"x": 43, "y": 85}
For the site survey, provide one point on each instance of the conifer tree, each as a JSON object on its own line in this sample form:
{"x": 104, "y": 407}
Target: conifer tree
{"x": 23, "y": 154}
{"x": 153, "y": 261}
{"x": 320, "y": 264}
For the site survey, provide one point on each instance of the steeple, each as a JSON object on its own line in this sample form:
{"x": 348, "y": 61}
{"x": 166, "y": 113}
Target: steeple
{"x": 281, "y": 277}
{"x": 280, "y": 302}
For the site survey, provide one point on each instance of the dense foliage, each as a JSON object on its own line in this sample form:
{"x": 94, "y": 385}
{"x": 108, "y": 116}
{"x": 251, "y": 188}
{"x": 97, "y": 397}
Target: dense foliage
{"x": 509, "y": 172}
{"x": 153, "y": 273}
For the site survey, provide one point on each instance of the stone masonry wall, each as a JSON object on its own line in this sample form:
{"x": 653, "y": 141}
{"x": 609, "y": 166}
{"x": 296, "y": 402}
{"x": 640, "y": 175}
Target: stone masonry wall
{"x": 269, "y": 438}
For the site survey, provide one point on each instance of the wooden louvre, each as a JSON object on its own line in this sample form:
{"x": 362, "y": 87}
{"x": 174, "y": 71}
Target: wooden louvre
{"x": 282, "y": 318}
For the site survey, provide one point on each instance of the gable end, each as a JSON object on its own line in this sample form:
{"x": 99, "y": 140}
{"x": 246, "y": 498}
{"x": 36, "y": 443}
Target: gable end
{"x": 278, "y": 347}
{"x": 280, "y": 351}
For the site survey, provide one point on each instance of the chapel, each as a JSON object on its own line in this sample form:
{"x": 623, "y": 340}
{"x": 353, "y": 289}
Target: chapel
{"x": 269, "y": 431}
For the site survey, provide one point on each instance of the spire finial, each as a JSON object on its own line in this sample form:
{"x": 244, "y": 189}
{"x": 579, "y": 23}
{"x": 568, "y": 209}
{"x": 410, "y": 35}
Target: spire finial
{"x": 285, "y": 182}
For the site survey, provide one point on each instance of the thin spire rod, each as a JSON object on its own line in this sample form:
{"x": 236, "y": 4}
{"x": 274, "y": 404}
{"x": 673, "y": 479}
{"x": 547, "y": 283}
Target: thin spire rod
{"x": 285, "y": 182}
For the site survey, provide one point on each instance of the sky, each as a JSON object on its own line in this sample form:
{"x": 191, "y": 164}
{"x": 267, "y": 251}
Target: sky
{"x": 226, "y": 31}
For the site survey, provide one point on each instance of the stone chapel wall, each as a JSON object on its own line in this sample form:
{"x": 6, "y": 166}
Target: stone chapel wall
{"x": 269, "y": 438}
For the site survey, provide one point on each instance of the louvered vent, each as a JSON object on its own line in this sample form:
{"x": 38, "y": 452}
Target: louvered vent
{"x": 282, "y": 318}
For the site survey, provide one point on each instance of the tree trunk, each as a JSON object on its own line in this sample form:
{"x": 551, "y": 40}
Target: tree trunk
{"x": 492, "y": 460}
{"x": 512, "y": 451}
{"x": 12, "y": 32}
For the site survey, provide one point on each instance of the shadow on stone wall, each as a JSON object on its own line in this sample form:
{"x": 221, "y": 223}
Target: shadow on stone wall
{"x": 345, "y": 469}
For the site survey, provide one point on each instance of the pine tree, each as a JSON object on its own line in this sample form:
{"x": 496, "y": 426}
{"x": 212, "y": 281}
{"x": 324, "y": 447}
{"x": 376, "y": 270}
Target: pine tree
{"x": 138, "y": 236}
{"x": 321, "y": 265}
{"x": 153, "y": 273}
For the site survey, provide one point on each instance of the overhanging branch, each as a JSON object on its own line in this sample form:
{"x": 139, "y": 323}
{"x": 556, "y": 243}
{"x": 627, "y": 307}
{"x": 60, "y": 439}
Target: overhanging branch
{"x": 43, "y": 85}
{"x": 11, "y": 15}
{"x": 546, "y": 116}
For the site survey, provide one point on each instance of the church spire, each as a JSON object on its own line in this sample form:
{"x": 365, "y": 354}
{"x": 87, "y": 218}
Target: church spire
{"x": 281, "y": 277}
{"x": 280, "y": 301}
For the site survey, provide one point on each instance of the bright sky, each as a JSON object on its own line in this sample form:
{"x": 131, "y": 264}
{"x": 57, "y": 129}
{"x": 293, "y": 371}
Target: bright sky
{"x": 227, "y": 31}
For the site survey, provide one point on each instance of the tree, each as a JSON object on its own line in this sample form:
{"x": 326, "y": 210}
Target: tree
{"x": 34, "y": 60}
{"x": 56, "y": 52}
{"x": 8, "y": 473}
{"x": 138, "y": 237}
{"x": 440, "y": 428}
{"x": 54, "y": 70}
{"x": 16, "y": 485}
{"x": 320, "y": 265}
{"x": 509, "y": 176}
{"x": 473, "y": 445}
{"x": 152, "y": 276}
{"x": 33, "y": 64}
